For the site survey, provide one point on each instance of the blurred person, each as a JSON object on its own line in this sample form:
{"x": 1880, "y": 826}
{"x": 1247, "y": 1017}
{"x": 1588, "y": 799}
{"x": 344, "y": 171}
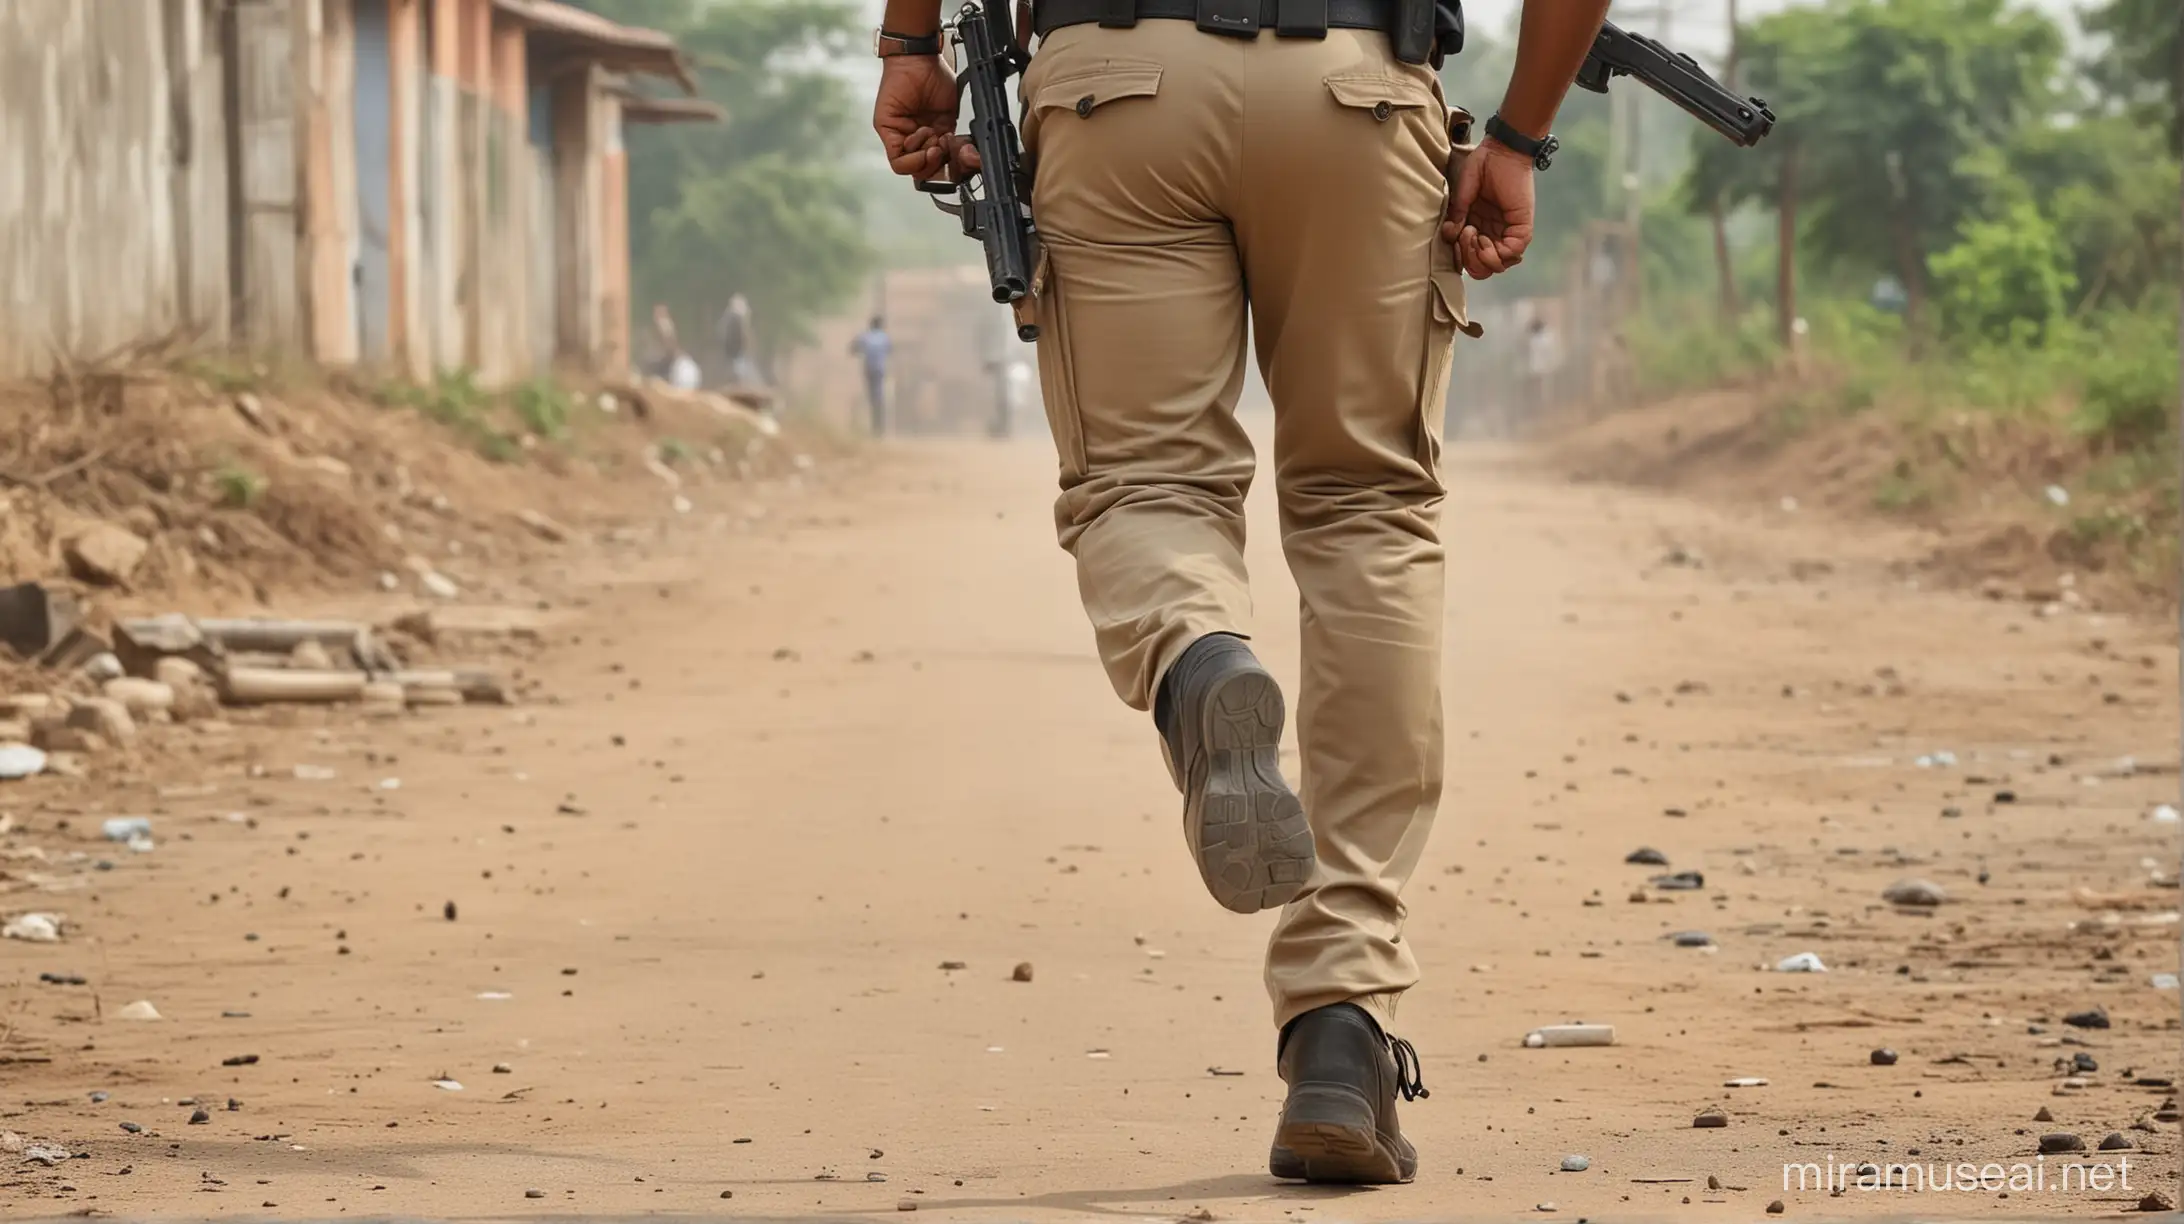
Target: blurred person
{"x": 665, "y": 344}
{"x": 1348, "y": 216}
{"x": 1542, "y": 358}
{"x": 875, "y": 348}
{"x": 737, "y": 342}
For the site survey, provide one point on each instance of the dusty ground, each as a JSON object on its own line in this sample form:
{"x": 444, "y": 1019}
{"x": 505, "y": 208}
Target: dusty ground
{"x": 704, "y": 894}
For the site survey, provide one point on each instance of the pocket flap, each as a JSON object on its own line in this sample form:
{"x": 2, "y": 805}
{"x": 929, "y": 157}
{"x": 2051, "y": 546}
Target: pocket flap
{"x": 1449, "y": 299}
{"x": 1368, "y": 90}
{"x": 1084, "y": 91}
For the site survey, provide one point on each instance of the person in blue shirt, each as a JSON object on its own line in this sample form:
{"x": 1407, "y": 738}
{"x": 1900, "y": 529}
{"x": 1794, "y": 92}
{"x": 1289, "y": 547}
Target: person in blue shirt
{"x": 875, "y": 348}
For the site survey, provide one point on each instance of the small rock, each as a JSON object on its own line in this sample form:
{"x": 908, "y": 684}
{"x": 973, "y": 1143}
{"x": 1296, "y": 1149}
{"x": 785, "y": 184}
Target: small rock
{"x": 1775, "y": 1207}
{"x": 1710, "y": 1119}
{"x": 1022, "y": 973}
{"x": 2096, "y": 1018}
{"x": 2060, "y": 1141}
{"x": 1681, "y": 881}
{"x": 1884, "y": 1057}
{"x": 1713, "y": 1182}
{"x": 104, "y": 717}
{"x": 2115, "y": 1141}
{"x": 1545, "y": 1207}
{"x": 176, "y": 672}
{"x": 908, "y": 1204}
{"x": 1803, "y": 962}
{"x": 132, "y": 1128}
{"x": 503, "y": 1069}
{"x": 2045, "y": 1115}
{"x": 542, "y": 526}
{"x": 448, "y": 911}
{"x": 1576, "y": 1164}
{"x": 1692, "y": 939}
{"x": 1914, "y": 892}
{"x": 439, "y": 585}
{"x": 310, "y": 655}
{"x": 102, "y": 667}
{"x": 2084, "y": 1062}
{"x": 105, "y": 554}
{"x": 534, "y": 1194}
{"x": 46, "y": 1154}
{"x": 2156, "y": 1201}
{"x": 56, "y": 737}
{"x": 953, "y": 965}
{"x": 240, "y": 1060}
{"x": 199, "y": 1117}
{"x": 1648, "y": 856}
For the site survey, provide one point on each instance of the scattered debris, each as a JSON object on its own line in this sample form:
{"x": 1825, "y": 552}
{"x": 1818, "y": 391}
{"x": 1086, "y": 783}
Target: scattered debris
{"x": 1561, "y": 1036}
{"x": 33, "y": 928}
{"x": 1803, "y": 962}
{"x": 1746, "y": 1081}
{"x": 47, "y": 1154}
{"x": 20, "y": 761}
{"x": 1680, "y": 881}
{"x": 1692, "y": 939}
{"x": 104, "y": 555}
{"x": 139, "y": 1010}
{"x": 1913, "y": 892}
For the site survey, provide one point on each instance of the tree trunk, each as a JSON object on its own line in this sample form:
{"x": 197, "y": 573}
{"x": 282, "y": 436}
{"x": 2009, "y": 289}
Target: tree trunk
{"x": 1723, "y": 266}
{"x": 1913, "y": 270}
{"x": 1786, "y": 259}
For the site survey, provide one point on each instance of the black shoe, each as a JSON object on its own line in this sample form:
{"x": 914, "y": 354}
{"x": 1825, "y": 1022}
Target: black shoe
{"x": 1220, "y": 716}
{"x": 1338, "y": 1124}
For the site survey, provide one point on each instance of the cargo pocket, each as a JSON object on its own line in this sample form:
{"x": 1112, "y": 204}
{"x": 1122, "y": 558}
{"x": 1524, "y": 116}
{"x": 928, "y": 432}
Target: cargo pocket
{"x": 1057, "y": 367}
{"x": 1383, "y": 95}
{"x": 1446, "y": 302}
{"x": 1081, "y": 92}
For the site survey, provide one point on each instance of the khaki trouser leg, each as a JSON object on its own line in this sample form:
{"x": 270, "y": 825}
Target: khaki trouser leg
{"x": 1174, "y": 168}
{"x": 1141, "y": 354}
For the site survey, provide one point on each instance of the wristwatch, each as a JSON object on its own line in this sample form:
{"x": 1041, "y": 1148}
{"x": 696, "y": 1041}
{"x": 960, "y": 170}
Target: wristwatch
{"x": 1541, "y": 151}
{"x": 887, "y": 43}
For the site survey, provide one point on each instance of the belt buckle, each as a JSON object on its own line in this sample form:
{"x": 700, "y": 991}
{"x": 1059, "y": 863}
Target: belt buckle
{"x": 1236, "y": 18}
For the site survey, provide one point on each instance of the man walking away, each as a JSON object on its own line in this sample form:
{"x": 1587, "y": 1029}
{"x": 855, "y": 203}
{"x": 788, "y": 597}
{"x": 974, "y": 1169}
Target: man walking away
{"x": 1185, "y": 149}
{"x": 736, "y": 342}
{"x": 875, "y": 348}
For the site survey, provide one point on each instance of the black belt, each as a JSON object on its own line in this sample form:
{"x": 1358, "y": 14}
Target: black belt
{"x": 1049, "y": 15}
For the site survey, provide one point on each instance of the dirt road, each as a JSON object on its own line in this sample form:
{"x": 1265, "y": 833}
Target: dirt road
{"x": 736, "y": 911}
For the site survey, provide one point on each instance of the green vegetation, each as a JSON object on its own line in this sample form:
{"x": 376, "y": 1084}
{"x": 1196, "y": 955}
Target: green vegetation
{"x": 767, "y": 204}
{"x": 239, "y": 487}
{"x": 492, "y": 424}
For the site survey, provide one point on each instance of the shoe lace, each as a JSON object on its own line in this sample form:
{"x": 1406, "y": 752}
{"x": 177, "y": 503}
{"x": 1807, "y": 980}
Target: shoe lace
{"x": 1408, "y": 1072}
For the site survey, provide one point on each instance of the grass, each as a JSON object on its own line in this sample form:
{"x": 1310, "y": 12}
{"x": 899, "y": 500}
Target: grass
{"x": 543, "y": 407}
{"x": 455, "y": 400}
{"x": 239, "y": 487}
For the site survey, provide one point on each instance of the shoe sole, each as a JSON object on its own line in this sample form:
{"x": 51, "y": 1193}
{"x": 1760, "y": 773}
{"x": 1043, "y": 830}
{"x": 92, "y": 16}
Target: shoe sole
{"x": 1247, "y": 829}
{"x": 1327, "y": 1135}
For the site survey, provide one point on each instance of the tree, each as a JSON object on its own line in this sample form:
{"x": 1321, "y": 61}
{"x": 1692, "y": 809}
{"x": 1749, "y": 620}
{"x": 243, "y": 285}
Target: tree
{"x": 2109, "y": 184}
{"x": 767, "y": 204}
{"x": 2143, "y": 64}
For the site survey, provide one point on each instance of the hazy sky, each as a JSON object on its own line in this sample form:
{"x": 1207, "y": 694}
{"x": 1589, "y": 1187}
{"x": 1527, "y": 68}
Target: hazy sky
{"x": 1698, "y": 26}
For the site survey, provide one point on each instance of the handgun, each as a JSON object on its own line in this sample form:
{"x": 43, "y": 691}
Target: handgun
{"x": 1677, "y": 77}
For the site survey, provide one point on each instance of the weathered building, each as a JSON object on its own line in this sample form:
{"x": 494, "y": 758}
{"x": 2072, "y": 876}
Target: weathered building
{"x": 416, "y": 185}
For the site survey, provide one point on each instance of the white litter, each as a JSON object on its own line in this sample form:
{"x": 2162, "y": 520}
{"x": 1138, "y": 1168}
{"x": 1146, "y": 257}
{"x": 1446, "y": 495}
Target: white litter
{"x": 33, "y": 928}
{"x": 1560, "y": 1036}
{"x": 447, "y": 1085}
{"x": 313, "y": 773}
{"x": 1748, "y": 1081}
{"x": 495, "y": 996}
{"x": 139, "y": 1010}
{"x": 20, "y": 761}
{"x": 1803, "y": 962}
{"x": 2163, "y": 814}
{"x": 2165, "y": 981}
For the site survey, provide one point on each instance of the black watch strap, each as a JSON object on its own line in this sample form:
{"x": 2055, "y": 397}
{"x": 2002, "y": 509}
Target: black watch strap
{"x": 887, "y": 42}
{"x": 1541, "y": 151}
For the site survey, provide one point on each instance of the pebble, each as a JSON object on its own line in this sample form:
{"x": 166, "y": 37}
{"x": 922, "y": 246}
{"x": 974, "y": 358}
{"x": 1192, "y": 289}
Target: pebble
{"x": 1680, "y": 881}
{"x": 503, "y": 1069}
{"x": 2060, "y": 1141}
{"x": 1022, "y": 973}
{"x": 63, "y": 979}
{"x": 534, "y": 1194}
{"x": 2156, "y": 1201}
{"x": 448, "y": 911}
{"x": 240, "y": 1060}
{"x": 46, "y": 1154}
{"x": 1576, "y": 1164}
{"x": 907, "y": 1204}
{"x": 132, "y": 1128}
{"x": 1692, "y": 939}
{"x": 1713, "y": 1182}
{"x": 951, "y": 966}
{"x": 2084, "y": 1062}
{"x": 1775, "y": 1207}
{"x": 198, "y": 1117}
{"x": 2045, "y": 1115}
{"x": 1710, "y": 1119}
{"x": 2115, "y": 1142}
{"x": 2096, "y": 1018}
{"x": 1648, "y": 856}
{"x": 1914, "y": 892}
{"x": 1884, "y": 1057}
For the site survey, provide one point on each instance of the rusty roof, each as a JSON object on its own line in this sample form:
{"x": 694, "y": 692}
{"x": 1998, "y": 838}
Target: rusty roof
{"x": 587, "y": 35}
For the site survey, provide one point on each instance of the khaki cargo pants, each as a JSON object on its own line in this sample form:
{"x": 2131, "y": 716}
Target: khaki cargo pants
{"x": 1181, "y": 178}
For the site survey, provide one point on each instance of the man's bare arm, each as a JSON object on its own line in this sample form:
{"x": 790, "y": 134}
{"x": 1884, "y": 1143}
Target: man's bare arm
{"x": 1551, "y": 45}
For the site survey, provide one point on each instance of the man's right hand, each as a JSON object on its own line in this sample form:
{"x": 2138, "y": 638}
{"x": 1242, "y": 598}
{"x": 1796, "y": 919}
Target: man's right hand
{"x": 915, "y": 115}
{"x": 1490, "y": 211}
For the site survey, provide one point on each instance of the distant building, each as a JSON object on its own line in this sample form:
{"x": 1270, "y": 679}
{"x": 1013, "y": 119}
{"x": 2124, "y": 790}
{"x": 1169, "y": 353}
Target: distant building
{"x": 409, "y": 184}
